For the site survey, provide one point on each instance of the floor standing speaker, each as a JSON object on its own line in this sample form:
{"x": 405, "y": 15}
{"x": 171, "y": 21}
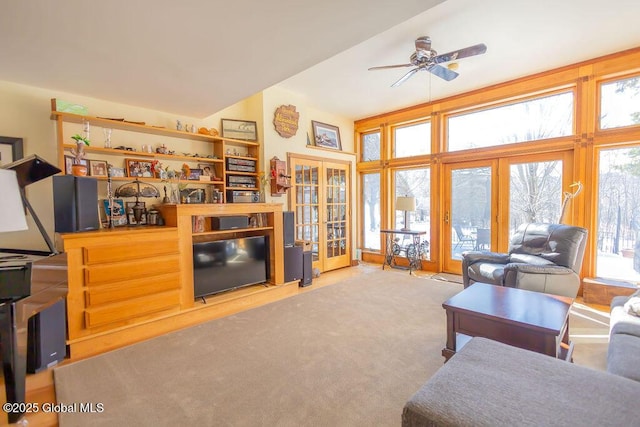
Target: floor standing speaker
{"x": 307, "y": 268}
{"x": 46, "y": 338}
{"x": 288, "y": 225}
{"x": 75, "y": 203}
{"x": 292, "y": 263}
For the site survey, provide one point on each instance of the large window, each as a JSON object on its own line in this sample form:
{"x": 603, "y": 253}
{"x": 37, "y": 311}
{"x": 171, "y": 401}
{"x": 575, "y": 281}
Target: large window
{"x": 371, "y": 146}
{"x": 412, "y": 140}
{"x": 500, "y": 156}
{"x": 620, "y": 105}
{"x": 535, "y": 193}
{"x": 531, "y": 120}
{"x": 618, "y": 238}
{"x": 371, "y": 211}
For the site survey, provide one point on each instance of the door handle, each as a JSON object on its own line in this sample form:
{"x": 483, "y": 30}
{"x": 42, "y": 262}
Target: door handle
{"x": 446, "y": 217}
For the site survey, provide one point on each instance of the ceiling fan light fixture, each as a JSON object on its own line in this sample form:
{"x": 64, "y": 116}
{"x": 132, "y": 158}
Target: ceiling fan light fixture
{"x": 426, "y": 59}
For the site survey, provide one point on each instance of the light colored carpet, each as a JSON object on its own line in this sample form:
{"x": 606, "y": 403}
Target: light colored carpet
{"x": 349, "y": 354}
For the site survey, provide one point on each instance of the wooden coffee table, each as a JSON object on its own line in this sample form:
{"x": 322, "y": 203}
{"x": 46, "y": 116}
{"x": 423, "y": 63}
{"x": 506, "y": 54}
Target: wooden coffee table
{"x": 526, "y": 319}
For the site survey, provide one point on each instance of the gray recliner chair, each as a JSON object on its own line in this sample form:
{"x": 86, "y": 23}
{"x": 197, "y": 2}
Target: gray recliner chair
{"x": 542, "y": 257}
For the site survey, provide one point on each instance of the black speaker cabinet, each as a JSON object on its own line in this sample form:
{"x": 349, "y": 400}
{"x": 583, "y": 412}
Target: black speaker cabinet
{"x": 46, "y": 338}
{"x": 292, "y": 263}
{"x": 307, "y": 268}
{"x": 75, "y": 203}
{"x": 288, "y": 225}
{"x": 229, "y": 222}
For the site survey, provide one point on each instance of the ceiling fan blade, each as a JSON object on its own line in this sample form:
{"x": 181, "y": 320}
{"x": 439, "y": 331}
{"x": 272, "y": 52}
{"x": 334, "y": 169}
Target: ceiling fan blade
{"x": 443, "y": 72}
{"x": 462, "y": 53}
{"x": 405, "y": 77}
{"x": 384, "y": 67}
{"x": 423, "y": 44}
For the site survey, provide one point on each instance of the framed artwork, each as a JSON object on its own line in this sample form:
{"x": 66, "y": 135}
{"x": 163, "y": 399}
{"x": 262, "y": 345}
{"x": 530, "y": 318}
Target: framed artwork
{"x": 10, "y": 149}
{"x": 138, "y": 168}
{"x": 131, "y": 217}
{"x": 119, "y": 217}
{"x": 98, "y": 168}
{"x": 117, "y": 172}
{"x": 325, "y": 135}
{"x": 194, "y": 174}
{"x": 209, "y": 170}
{"x": 68, "y": 164}
{"x": 239, "y": 129}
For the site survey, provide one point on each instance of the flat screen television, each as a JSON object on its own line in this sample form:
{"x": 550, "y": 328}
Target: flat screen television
{"x": 222, "y": 265}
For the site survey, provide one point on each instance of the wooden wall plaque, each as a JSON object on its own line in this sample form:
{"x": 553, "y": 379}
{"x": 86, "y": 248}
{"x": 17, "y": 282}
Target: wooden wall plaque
{"x": 285, "y": 120}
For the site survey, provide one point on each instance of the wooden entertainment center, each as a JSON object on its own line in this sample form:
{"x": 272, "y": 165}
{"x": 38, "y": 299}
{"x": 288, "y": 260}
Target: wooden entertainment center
{"x": 134, "y": 283}
{"x": 128, "y": 284}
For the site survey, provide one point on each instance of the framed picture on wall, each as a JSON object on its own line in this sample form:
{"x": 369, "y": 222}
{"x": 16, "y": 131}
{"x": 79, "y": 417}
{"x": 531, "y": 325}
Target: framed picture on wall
{"x": 10, "y": 149}
{"x": 239, "y": 129}
{"x": 325, "y": 135}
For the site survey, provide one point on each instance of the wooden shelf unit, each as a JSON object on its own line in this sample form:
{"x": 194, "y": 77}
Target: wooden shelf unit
{"x": 219, "y": 148}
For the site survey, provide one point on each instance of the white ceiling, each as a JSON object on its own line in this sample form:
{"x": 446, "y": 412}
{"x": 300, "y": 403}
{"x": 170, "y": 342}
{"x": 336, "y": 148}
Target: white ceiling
{"x": 197, "y": 57}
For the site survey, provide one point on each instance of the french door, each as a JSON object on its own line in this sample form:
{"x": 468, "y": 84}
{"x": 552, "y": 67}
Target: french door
{"x": 321, "y": 200}
{"x": 486, "y": 201}
{"x": 470, "y": 207}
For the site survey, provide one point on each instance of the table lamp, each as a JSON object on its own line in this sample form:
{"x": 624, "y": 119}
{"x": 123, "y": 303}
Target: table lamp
{"x": 27, "y": 171}
{"x": 137, "y": 189}
{"x": 12, "y": 216}
{"x": 406, "y": 204}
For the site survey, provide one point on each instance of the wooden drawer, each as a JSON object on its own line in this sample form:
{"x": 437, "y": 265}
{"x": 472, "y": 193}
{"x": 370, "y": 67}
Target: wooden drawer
{"x": 132, "y": 269}
{"x": 124, "y": 310}
{"x": 132, "y": 250}
{"x": 119, "y": 291}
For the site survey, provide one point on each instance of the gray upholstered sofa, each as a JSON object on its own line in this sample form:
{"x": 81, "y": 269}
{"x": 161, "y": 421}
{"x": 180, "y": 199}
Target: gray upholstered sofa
{"x": 488, "y": 383}
{"x": 624, "y": 338}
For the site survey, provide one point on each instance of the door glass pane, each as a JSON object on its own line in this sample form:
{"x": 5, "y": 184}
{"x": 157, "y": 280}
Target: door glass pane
{"x": 412, "y": 140}
{"x": 307, "y": 221}
{"x": 535, "y": 193}
{"x": 336, "y": 190}
{"x": 618, "y": 242}
{"x": 620, "y": 105}
{"x": 415, "y": 183}
{"x": 470, "y": 207}
{"x": 531, "y": 120}
{"x": 371, "y": 212}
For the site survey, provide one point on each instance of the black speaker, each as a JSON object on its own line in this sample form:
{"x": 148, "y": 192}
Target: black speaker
{"x": 75, "y": 203}
{"x": 307, "y": 268}
{"x": 229, "y": 222}
{"x": 292, "y": 263}
{"x": 288, "y": 225}
{"x": 46, "y": 338}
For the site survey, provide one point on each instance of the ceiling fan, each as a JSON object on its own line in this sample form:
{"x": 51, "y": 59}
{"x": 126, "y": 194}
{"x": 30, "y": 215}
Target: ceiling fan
{"x": 427, "y": 59}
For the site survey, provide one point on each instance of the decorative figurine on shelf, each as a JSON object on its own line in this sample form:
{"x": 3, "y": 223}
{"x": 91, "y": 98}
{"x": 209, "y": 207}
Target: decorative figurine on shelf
{"x": 178, "y": 125}
{"x": 107, "y": 137}
{"x": 79, "y": 167}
